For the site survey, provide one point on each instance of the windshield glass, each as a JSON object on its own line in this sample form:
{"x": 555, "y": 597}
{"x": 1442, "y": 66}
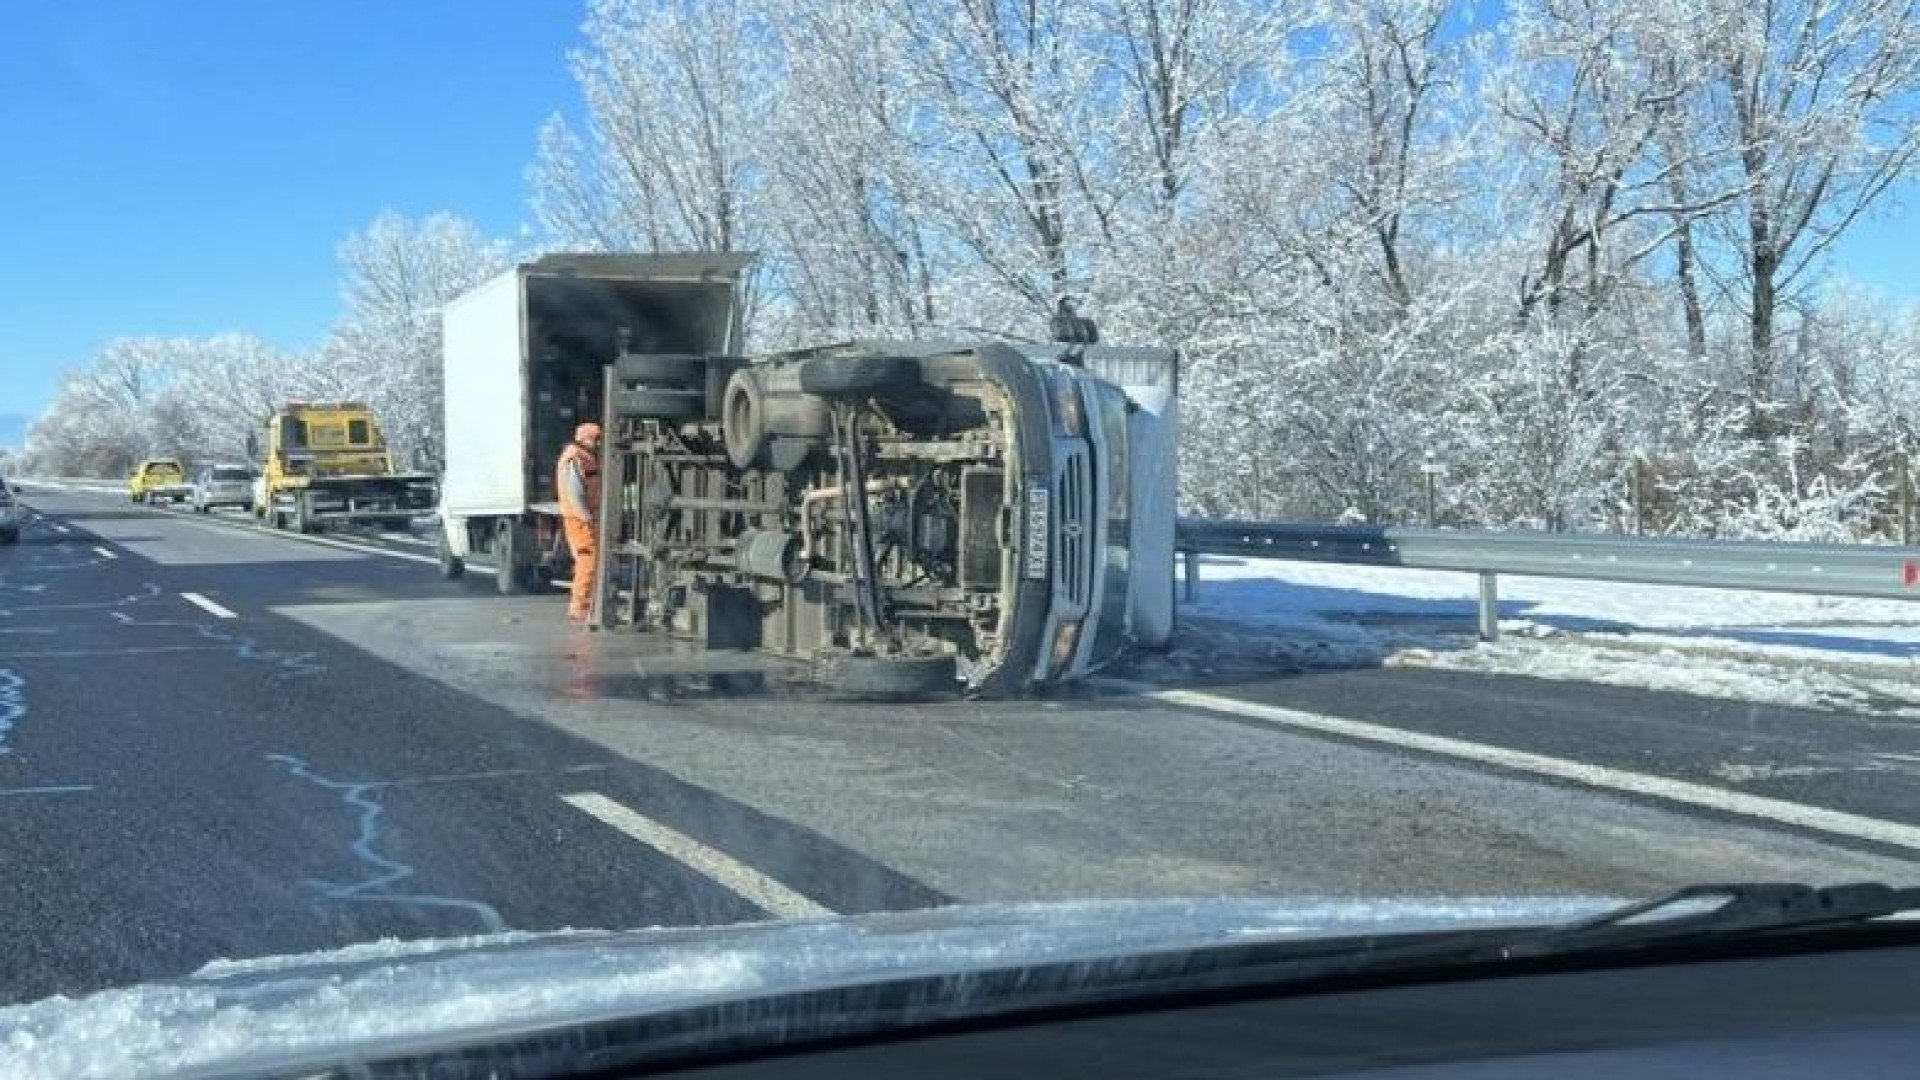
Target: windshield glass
{"x": 491, "y": 473}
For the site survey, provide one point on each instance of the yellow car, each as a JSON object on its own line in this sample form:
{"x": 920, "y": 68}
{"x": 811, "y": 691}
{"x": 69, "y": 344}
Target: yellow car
{"x": 159, "y": 478}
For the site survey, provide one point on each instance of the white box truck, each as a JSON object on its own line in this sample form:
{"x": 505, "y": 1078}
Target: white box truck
{"x": 524, "y": 357}
{"x": 906, "y": 516}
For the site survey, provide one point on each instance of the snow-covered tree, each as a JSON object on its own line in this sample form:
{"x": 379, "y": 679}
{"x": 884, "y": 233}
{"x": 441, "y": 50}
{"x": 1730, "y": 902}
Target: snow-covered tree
{"x": 398, "y": 276}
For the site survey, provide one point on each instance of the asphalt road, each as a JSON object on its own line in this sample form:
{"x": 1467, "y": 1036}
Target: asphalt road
{"x": 217, "y": 741}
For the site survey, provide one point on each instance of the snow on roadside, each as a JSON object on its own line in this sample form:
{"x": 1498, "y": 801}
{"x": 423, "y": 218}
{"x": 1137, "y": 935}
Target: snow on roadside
{"x": 1773, "y": 648}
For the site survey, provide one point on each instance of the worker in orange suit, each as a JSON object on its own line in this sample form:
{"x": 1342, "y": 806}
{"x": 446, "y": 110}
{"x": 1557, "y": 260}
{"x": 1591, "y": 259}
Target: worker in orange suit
{"x": 578, "y": 482}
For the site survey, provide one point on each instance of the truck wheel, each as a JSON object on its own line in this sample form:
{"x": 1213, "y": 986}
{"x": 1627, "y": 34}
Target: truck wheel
{"x": 743, "y": 420}
{"x": 890, "y": 676}
{"x": 451, "y": 565}
{"x": 857, "y": 376}
{"x": 663, "y": 372}
{"x": 673, "y": 405}
{"x": 512, "y": 546}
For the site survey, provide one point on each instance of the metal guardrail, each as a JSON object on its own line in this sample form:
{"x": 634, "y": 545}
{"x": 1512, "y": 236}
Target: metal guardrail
{"x": 1885, "y": 572}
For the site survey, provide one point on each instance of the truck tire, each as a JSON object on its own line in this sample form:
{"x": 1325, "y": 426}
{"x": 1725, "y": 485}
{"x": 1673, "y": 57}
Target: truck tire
{"x": 890, "y": 676}
{"x": 512, "y": 549}
{"x": 451, "y": 565}
{"x": 743, "y": 420}
{"x": 858, "y": 376}
{"x": 662, "y": 371}
{"x": 670, "y": 405}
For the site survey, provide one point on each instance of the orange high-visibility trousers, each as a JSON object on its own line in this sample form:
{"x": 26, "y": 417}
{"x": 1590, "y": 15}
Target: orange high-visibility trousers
{"x": 580, "y": 540}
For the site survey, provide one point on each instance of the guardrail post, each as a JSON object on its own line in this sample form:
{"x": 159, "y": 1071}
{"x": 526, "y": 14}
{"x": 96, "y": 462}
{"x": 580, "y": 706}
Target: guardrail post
{"x": 1489, "y": 607}
{"x": 1191, "y": 559}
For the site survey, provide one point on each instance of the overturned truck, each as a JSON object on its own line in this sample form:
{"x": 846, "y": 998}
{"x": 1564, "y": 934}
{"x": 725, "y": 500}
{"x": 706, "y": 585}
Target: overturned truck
{"x": 906, "y": 516}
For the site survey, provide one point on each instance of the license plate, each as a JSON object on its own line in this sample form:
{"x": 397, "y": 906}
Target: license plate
{"x": 1039, "y": 527}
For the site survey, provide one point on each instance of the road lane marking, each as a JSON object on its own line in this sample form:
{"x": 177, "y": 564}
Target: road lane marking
{"x": 207, "y": 605}
{"x": 1779, "y": 811}
{"x": 52, "y": 789}
{"x": 724, "y": 870}
{"x": 367, "y": 549}
{"x": 61, "y": 528}
{"x": 104, "y": 553}
{"x": 326, "y": 541}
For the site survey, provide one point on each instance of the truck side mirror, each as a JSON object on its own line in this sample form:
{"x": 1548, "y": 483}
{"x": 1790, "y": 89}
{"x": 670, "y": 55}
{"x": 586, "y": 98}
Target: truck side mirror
{"x": 253, "y": 446}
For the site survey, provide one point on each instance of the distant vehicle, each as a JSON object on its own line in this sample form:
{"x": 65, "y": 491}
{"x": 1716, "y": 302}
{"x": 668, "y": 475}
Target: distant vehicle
{"x": 156, "y": 479}
{"x": 327, "y": 463}
{"x": 906, "y": 516}
{"x": 9, "y": 514}
{"x": 223, "y": 485}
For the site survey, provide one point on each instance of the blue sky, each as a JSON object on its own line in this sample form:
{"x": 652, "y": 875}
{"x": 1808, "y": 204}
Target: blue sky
{"x": 189, "y": 166}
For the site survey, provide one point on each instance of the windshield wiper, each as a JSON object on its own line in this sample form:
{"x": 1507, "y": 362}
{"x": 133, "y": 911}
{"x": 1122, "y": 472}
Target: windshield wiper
{"x": 1724, "y": 911}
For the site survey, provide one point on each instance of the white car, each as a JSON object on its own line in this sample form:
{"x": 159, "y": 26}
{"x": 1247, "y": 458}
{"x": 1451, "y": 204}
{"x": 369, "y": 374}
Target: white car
{"x": 9, "y": 515}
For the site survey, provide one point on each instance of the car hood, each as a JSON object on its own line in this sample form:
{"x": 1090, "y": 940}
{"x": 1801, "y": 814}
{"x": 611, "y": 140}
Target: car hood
{"x": 280, "y": 1014}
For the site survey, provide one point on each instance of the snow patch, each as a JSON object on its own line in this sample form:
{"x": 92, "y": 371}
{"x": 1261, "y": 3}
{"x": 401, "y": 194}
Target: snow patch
{"x": 307, "y": 1010}
{"x": 1770, "y": 648}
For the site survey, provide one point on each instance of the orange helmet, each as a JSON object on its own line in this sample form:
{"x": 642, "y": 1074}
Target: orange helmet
{"x": 587, "y": 434}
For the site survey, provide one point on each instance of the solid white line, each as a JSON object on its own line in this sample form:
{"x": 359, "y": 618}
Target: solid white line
{"x": 323, "y": 541}
{"x": 730, "y": 873}
{"x": 365, "y": 549}
{"x": 207, "y": 605}
{"x": 104, "y": 553}
{"x": 1836, "y": 822}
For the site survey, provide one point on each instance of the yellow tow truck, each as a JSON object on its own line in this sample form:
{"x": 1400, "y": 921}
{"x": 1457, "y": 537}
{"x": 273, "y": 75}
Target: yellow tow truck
{"x": 327, "y": 463}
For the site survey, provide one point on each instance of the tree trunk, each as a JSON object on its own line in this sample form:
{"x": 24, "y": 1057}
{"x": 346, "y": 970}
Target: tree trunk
{"x": 1685, "y": 273}
{"x": 1765, "y": 300}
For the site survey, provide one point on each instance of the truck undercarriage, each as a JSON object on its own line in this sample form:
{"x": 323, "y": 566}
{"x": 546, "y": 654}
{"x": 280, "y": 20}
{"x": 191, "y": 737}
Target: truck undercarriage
{"x": 851, "y": 509}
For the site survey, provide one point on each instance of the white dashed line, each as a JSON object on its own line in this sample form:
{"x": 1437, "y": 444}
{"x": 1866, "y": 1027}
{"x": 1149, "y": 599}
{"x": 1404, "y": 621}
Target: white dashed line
{"x": 104, "y": 553}
{"x": 1780, "y": 811}
{"x": 723, "y": 869}
{"x": 207, "y": 605}
{"x": 61, "y": 529}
